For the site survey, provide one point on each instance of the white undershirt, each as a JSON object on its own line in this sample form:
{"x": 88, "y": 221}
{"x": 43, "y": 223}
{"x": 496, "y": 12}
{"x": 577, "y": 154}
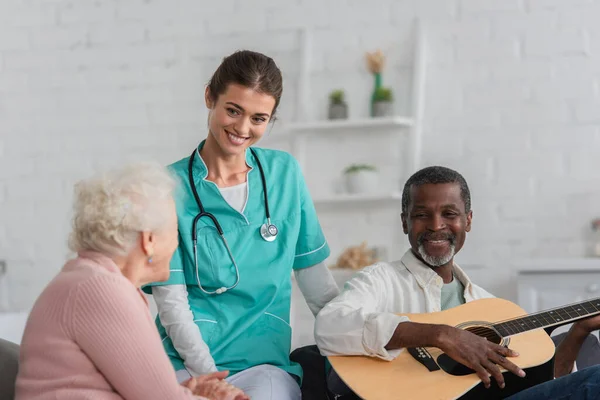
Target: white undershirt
{"x": 236, "y": 196}
{"x": 316, "y": 284}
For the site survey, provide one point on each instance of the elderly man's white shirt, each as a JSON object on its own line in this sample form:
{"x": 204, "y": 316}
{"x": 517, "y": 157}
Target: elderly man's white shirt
{"x": 362, "y": 319}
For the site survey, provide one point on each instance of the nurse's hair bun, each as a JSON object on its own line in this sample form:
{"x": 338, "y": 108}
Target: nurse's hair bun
{"x": 112, "y": 208}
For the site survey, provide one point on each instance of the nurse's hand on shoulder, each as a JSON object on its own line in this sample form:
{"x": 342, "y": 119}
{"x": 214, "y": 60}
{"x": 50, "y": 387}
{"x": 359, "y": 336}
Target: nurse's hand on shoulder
{"x": 214, "y": 387}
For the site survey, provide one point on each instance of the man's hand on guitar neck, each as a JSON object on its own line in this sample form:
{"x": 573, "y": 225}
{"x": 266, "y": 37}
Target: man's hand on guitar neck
{"x": 471, "y": 350}
{"x": 568, "y": 349}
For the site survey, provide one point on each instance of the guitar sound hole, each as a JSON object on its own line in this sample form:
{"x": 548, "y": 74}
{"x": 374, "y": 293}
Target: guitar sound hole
{"x": 454, "y": 367}
{"x": 485, "y": 332}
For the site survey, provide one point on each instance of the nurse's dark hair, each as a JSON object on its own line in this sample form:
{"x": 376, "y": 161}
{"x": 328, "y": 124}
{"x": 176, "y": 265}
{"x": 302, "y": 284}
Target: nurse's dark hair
{"x": 250, "y": 69}
{"x": 436, "y": 174}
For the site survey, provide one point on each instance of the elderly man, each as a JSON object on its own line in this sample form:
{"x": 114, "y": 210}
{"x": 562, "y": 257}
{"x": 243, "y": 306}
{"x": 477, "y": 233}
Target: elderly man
{"x": 363, "y": 320}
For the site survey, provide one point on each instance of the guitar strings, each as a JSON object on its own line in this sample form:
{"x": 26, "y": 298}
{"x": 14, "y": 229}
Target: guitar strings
{"x": 551, "y": 309}
{"x": 482, "y": 329}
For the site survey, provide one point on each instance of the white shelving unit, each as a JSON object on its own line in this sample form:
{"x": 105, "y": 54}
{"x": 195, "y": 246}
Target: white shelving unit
{"x": 304, "y": 132}
{"x": 297, "y": 132}
{"x": 344, "y": 125}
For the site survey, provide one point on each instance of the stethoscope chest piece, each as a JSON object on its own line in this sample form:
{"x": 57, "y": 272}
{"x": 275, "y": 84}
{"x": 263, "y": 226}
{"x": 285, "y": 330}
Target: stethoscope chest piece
{"x": 268, "y": 232}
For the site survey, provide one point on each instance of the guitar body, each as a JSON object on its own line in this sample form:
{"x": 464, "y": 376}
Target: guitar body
{"x": 407, "y": 378}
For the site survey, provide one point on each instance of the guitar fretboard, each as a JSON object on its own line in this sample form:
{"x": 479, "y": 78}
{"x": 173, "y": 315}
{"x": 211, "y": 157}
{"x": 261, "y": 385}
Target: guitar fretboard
{"x": 558, "y": 316}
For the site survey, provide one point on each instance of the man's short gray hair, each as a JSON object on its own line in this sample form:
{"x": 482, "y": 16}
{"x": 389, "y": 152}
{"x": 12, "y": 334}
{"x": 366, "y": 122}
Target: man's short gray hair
{"x": 112, "y": 208}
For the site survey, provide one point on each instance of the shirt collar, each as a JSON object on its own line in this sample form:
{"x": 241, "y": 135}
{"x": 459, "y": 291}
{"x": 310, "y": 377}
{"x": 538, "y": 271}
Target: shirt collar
{"x": 426, "y": 276}
{"x": 201, "y": 169}
{"x": 101, "y": 260}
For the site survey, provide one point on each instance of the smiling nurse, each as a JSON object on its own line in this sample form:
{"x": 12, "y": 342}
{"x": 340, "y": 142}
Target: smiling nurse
{"x": 246, "y": 220}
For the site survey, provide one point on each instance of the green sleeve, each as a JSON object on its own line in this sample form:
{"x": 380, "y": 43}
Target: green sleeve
{"x": 311, "y": 247}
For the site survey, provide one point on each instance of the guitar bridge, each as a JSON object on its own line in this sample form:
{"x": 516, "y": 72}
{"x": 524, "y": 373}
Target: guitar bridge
{"x": 424, "y": 357}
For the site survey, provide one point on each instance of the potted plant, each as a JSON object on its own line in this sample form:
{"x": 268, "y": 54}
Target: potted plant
{"x": 383, "y": 102}
{"x": 338, "y": 109}
{"x": 361, "y": 178}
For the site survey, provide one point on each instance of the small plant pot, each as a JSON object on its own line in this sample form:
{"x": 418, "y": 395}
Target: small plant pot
{"x": 362, "y": 182}
{"x": 338, "y": 111}
{"x": 383, "y": 109}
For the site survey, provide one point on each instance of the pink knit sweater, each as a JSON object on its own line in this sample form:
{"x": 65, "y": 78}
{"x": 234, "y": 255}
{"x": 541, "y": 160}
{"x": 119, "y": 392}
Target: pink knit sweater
{"x": 90, "y": 336}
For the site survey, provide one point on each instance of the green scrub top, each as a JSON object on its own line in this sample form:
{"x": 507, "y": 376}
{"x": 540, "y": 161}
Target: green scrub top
{"x": 250, "y": 324}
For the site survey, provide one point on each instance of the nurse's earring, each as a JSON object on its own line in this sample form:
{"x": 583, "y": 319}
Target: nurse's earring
{"x": 150, "y": 259}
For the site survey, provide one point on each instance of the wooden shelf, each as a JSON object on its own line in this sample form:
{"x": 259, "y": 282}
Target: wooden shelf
{"x": 349, "y": 124}
{"x": 358, "y": 198}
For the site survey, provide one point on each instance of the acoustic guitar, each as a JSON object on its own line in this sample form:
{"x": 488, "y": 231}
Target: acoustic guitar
{"x": 428, "y": 373}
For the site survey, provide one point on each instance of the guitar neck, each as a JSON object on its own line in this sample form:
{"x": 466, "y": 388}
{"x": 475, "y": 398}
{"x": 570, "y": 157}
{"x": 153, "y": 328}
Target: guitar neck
{"x": 550, "y": 318}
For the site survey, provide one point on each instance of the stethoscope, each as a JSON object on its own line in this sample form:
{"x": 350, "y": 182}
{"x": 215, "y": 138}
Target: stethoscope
{"x": 268, "y": 231}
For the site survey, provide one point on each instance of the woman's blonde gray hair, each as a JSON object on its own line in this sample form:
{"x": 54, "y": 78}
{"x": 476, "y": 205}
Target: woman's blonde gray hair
{"x": 112, "y": 208}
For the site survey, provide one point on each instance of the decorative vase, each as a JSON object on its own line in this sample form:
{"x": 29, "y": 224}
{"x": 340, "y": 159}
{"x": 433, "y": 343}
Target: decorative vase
{"x": 362, "y": 182}
{"x": 338, "y": 111}
{"x": 376, "y": 86}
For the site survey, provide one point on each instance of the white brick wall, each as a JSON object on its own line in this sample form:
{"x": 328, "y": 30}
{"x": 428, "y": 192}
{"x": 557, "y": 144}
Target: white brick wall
{"x": 512, "y": 103}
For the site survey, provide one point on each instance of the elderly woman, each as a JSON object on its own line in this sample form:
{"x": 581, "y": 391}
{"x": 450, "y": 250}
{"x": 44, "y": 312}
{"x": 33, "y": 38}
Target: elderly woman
{"x": 90, "y": 334}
